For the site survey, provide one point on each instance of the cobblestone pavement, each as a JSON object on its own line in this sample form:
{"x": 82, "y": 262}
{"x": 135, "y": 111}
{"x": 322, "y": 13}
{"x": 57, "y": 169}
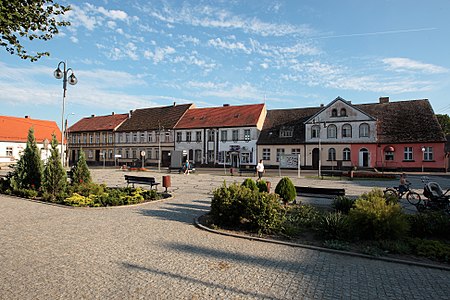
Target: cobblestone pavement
{"x": 153, "y": 251}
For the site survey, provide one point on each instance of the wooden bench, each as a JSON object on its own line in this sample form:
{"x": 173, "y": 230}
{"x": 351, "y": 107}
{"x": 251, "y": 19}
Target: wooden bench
{"x": 247, "y": 170}
{"x": 141, "y": 180}
{"x": 307, "y": 190}
{"x": 331, "y": 173}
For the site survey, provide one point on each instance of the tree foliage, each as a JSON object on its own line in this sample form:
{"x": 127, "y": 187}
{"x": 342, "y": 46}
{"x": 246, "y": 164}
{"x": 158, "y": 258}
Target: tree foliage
{"x": 21, "y": 20}
{"x": 444, "y": 121}
{"x": 55, "y": 178}
{"x": 80, "y": 172}
{"x": 28, "y": 171}
{"x": 286, "y": 189}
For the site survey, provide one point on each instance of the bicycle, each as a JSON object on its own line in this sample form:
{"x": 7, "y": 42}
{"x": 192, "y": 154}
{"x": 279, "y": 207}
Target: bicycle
{"x": 395, "y": 193}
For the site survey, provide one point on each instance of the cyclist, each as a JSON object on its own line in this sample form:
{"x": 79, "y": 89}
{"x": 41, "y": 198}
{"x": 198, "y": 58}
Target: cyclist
{"x": 403, "y": 187}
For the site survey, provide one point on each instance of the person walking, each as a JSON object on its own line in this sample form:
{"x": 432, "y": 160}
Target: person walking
{"x": 260, "y": 169}
{"x": 186, "y": 167}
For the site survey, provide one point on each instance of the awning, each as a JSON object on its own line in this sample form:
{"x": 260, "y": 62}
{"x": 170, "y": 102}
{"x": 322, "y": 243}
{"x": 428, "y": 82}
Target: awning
{"x": 389, "y": 149}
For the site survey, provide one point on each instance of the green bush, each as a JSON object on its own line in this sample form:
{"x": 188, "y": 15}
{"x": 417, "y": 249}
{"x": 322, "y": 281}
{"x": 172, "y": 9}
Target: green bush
{"x": 373, "y": 218}
{"x": 26, "y": 193}
{"x": 430, "y": 224}
{"x": 300, "y": 217}
{"x": 79, "y": 200}
{"x": 435, "y": 250}
{"x": 343, "y": 204}
{"x": 250, "y": 183}
{"x": 239, "y": 206}
{"x": 262, "y": 186}
{"x": 334, "y": 226}
{"x": 286, "y": 189}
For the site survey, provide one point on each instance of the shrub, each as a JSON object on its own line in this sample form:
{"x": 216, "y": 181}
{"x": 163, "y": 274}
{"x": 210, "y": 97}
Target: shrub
{"x": 333, "y": 226}
{"x": 431, "y": 249}
{"x": 262, "y": 186}
{"x": 300, "y": 217}
{"x": 54, "y": 177}
{"x": 373, "y": 218}
{"x": 343, "y": 204}
{"x": 250, "y": 183}
{"x": 240, "y": 206}
{"x": 78, "y": 200}
{"x": 26, "y": 193}
{"x": 80, "y": 171}
{"x": 430, "y": 224}
{"x": 286, "y": 189}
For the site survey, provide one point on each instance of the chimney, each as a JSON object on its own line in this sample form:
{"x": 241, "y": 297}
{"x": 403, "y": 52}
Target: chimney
{"x": 27, "y": 117}
{"x": 92, "y": 116}
{"x": 384, "y": 100}
{"x": 130, "y": 114}
{"x": 322, "y": 105}
{"x": 226, "y": 104}
{"x": 174, "y": 103}
{"x": 113, "y": 113}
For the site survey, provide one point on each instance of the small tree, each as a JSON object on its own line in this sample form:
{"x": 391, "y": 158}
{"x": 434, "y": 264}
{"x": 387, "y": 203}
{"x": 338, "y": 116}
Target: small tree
{"x": 80, "y": 172}
{"x": 28, "y": 172}
{"x": 55, "y": 177}
{"x": 286, "y": 189}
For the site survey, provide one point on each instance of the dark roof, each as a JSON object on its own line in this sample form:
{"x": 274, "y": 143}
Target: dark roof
{"x": 223, "y": 116}
{"x": 98, "y": 123}
{"x": 411, "y": 121}
{"x": 276, "y": 119}
{"x": 154, "y": 117}
{"x": 398, "y": 122}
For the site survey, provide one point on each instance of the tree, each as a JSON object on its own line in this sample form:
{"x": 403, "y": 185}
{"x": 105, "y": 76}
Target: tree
{"x": 55, "y": 177}
{"x": 80, "y": 172}
{"x": 28, "y": 172}
{"x": 444, "y": 121}
{"x": 286, "y": 189}
{"x": 30, "y": 20}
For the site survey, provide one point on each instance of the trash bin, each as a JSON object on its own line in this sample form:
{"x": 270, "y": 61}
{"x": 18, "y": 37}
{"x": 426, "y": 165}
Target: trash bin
{"x": 166, "y": 182}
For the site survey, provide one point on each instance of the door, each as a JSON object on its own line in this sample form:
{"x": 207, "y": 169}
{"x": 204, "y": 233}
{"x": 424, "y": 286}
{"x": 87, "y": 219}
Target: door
{"x": 315, "y": 159}
{"x": 97, "y": 155}
{"x": 235, "y": 160}
{"x": 364, "y": 158}
{"x": 165, "y": 158}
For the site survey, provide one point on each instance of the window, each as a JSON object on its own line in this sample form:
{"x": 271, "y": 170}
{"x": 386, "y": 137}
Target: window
{"x": 211, "y": 136}
{"x": 74, "y": 139}
{"x": 135, "y": 137}
{"x": 295, "y": 151}
{"x": 91, "y": 139}
{"x": 364, "y": 130}
{"x": 346, "y": 131}
{"x": 9, "y": 151}
{"x": 246, "y": 135}
{"x": 142, "y": 137}
{"x": 79, "y": 138}
{"x": 343, "y": 112}
{"x": 97, "y": 138}
{"x": 127, "y": 138}
{"x": 134, "y": 153}
{"x": 210, "y": 155}
{"x": 179, "y": 137}
{"x": 110, "y": 138}
{"x": 223, "y": 135}
{"x": 198, "y": 136}
{"x": 127, "y": 153}
{"x": 119, "y": 152}
{"x": 245, "y": 157}
{"x": 188, "y": 136}
{"x": 84, "y": 138}
{"x": 286, "y": 132}
{"x": 104, "y": 138}
{"x": 389, "y": 155}
{"x": 315, "y": 131}
{"x": 266, "y": 153}
{"x": 332, "y": 154}
{"x": 150, "y": 137}
{"x": 110, "y": 154}
{"x": 346, "y": 154}
{"x": 334, "y": 112}
{"x": 235, "y": 135}
{"x": 280, "y": 151}
{"x": 331, "y": 131}
{"x": 167, "y": 137}
{"x": 428, "y": 153}
{"x": 408, "y": 153}
{"x": 90, "y": 154}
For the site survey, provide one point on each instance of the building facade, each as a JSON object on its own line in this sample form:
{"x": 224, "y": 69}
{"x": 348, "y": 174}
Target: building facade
{"x": 14, "y": 136}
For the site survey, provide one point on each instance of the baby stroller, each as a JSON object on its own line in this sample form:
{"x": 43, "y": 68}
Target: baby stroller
{"x": 436, "y": 199}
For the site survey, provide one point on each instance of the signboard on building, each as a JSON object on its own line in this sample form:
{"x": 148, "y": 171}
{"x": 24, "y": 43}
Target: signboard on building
{"x": 289, "y": 161}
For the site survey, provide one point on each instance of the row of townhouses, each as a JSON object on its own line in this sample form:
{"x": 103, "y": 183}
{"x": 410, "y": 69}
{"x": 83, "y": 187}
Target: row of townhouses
{"x": 400, "y": 135}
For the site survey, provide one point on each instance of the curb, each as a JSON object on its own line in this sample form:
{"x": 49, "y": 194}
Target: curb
{"x": 328, "y": 250}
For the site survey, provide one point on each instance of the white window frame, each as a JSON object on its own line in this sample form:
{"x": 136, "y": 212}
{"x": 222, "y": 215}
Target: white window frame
{"x": 408, "y": 154}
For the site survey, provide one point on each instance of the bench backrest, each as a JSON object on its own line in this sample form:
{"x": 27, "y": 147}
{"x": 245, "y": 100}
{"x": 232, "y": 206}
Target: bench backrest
{"x": 140, "y": 178}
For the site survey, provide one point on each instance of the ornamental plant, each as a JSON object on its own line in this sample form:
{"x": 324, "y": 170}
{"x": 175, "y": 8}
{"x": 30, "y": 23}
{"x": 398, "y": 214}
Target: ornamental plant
{"x": 55, "y": 177}
{"x": 80, "y": 172}
{"x": 286, "y": 190}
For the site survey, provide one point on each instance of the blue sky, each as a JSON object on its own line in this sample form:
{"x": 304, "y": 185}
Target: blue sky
{"x": 135, "y": 54}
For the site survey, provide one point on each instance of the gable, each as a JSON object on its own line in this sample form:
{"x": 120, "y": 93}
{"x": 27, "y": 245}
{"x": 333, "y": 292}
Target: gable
{"x": 340, "y": 110}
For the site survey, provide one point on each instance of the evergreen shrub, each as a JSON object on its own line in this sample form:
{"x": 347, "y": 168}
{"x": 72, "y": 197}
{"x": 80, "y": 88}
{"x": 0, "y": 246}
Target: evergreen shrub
{"x": 286, "y": 190}
{"x": 343, "y": 204}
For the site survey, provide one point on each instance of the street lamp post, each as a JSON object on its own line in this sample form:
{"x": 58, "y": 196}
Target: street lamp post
{"x": 159, "y": 146}
{"x": 62, "y": 74}
{"x": 66, "y": 136}
{"x": 423, "y": 153}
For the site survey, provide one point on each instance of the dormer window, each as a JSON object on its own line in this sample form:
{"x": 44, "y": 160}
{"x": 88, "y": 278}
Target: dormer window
{"x": 343, "y": 112}
{"x": 334, "y": 112}
{"x": 286, "y": 132}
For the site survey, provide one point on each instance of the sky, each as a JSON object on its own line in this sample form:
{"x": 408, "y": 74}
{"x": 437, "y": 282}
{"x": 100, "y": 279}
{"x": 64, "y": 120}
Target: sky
{"x": 287, "y": 54}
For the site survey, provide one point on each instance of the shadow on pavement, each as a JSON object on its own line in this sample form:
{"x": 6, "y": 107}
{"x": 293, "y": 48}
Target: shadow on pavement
{"x": 180, "y": 212}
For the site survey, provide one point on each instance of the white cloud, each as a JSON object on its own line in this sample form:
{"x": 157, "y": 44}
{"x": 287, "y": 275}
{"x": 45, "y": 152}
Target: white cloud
{"x": 206, "y": 85}
{"x": 159, "y": 54}
{"x": 74, "y": 39}
{"x": 242, "y": 91}
{"x": 233, "y": 46}
{"x": 264, "y": 65}
{"x": 78, "y": 17}
{"x": 405, "y": 64}
{"x": 113, "y": 14}
{"x": 111, "y": 24}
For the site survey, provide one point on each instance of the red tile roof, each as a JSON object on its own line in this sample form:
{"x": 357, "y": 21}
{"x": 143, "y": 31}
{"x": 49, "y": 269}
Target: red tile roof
{"x": 224, "y": 116}
{"x": 16, "y": 129}
{"x": 98, "y": 123}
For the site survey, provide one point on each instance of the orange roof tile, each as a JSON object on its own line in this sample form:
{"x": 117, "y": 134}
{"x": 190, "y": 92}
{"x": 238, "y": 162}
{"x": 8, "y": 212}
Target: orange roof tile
{"x": 98, "y": 123}
{"x": 16, "y": 129}
{"x": 224, "y": 116}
